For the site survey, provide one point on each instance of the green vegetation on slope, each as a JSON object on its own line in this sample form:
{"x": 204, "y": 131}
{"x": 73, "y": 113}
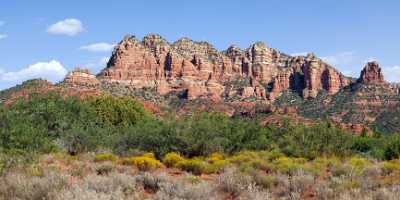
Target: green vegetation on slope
{"x": 47, "y": 122}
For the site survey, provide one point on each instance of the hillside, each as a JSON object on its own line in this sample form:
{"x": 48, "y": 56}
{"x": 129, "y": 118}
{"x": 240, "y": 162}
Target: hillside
{"x": 188, "y": 76}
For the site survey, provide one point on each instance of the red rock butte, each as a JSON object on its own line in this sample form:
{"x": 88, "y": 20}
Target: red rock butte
{"x": 371, "y": 73}
{"x": 81, "y": 77}
{"x": 200, "y": 70}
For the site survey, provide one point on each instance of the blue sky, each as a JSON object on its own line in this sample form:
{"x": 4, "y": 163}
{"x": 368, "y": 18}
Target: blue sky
{"x": 46, "y": 38}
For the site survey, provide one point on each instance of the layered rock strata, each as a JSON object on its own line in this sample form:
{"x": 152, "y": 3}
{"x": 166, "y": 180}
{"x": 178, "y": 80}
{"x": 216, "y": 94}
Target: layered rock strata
{"x": 81, "y": 77}
{"x": 203, "y": 71}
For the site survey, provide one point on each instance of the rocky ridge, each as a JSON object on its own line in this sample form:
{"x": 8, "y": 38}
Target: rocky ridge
{"x": 202, "y": 71}
{"x": 362, "y": 104}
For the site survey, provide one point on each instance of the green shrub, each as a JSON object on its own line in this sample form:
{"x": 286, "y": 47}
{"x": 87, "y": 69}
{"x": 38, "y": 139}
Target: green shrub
{"x": 392, "y": 150}
{"x": 195, "y": 166}
{"x": 116, "y": 111}
{"x": 105, "y": 157}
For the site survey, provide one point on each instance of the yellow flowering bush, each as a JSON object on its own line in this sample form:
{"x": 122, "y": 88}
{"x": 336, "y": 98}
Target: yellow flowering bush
{"x": 143, "y": 163}
{"x": 390, "y": 167}
{"x": 215, "y": 157}
{"x": 286, "y": 165}
{"x": 171, "y": 159}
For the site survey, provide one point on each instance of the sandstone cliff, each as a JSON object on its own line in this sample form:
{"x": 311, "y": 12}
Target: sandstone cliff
{"x": 81, "y": 77}
{"x": 203, "y": 71}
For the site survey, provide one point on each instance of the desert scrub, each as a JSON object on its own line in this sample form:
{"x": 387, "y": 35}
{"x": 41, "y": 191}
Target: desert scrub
{"x": 105, "y": 157}
{"x": 358, "y": 165}
{"x": 324, "y": 163}
{"x": 216, "y": 166}
{"x": 104, "y": 168}
{"x": 244, "y": 156}
{"x": 171, "y": 159}
{"x": 234, "y": 182}
{"x": 270, "y": 155}
{"x": 248, "y": 161}
{"x": 79, "y": 169}
{"x": 22, "y": 187}
{"x": 117, "y": 186}
{"x": 287, "y": 165}
{"x": 192, "y": 179}
{"x": 35, "y": 170}
{"x": 265, "y": 181}
{"x": 186, "y": 191}
{"x": 390, "y": 167}
{"x": 110, "y": 184}
{"x": 257, "y": 157}
{"x": 301, "y": 181}
{"x": 215, "y": 163}
{"x": 195, "y": 166}
{"x": 151, "y": 182}
{"x": 143, "y": 163}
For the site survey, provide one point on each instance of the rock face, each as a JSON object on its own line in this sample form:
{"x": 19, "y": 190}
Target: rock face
{"x": 308, "y": 76}
{"x": 318, "y": 75}
{"x": 371, "y": 74}
{"x": 203, "y": 71}
{"x": 81, "y": 77}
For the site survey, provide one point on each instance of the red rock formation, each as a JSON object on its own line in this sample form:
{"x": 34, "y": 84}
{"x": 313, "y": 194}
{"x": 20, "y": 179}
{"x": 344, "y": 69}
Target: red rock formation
{"x": 371, "y": 74}
{"x": 189, "y": 65}
{"x": 81, "y": 77}
{"x": 319, "y": 76}
{"x": 247, "y": 92}
{"x": 163, "y": 88}
{"x": 281, "y": 83}
{"x": 195, "y": 91}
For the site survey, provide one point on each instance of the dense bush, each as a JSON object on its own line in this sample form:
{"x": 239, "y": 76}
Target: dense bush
{"x": 34, "y": 124}
{"x": 392, "y": 150}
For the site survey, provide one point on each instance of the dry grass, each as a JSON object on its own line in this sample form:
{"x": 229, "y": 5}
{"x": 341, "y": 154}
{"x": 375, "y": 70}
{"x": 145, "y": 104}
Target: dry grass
{"x": 60, "y": 177}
